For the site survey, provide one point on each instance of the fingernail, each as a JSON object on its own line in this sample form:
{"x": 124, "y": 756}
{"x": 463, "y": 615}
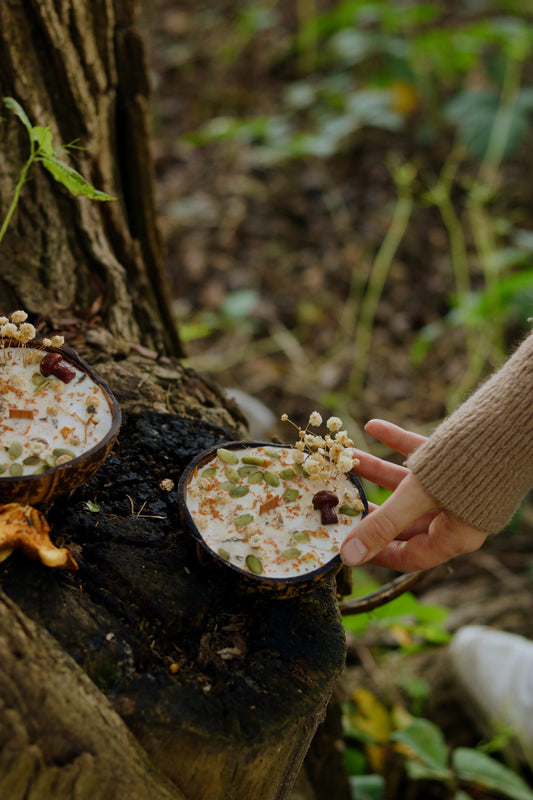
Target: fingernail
{"x": 354, "y": 552}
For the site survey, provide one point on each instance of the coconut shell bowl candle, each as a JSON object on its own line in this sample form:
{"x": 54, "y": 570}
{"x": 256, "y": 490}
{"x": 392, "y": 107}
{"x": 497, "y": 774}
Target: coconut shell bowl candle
{"x": 274, "y": 516}
{"x": 58, "y": 419}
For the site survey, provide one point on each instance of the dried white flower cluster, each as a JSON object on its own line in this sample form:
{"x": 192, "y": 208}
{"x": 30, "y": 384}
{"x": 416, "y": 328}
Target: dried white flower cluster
{"x": 326, "y": 456}
{"x": 16, "y": 328}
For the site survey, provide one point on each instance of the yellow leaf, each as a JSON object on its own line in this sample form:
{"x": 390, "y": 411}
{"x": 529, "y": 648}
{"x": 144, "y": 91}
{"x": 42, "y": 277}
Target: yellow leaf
{"x": 372, "y": 717}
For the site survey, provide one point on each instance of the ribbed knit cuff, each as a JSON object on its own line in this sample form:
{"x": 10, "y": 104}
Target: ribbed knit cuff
{"x": 479, "y": 462}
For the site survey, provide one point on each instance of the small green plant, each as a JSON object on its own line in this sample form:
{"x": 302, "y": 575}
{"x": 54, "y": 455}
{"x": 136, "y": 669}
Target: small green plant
{"x": 414, "y": 624}
{"x": 420, "y": 749}
{"x": 43, "y": 152}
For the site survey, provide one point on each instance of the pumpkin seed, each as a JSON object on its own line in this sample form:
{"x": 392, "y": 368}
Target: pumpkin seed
{"x": 15, "y": 469}
{"x": 256, "y": 460}
{"x": 31, "y": 461}
{"x": 350, "y": 511}
{"x": 50, "y": 460}
{"x": 298, "y": 468}
{"x": 209, "y": 472}
{"x": 239, "y": 491}
{"x": 244, "y": 519}
{"x": 291, "y": 552}
{"x": 254, "y": 564}
{"x": 273, "y": 451}
{"x": 226, "y": 486}
{"x": 15, "y": 450}
{"x": 271, "y": 478}
{"x": 246, "y": 470}
{"x": 227, "y": 456}
{"x": 63, "y": 451}
{"x": 42, "y": 385}
{"x": 37, "y": 378}
{"x": 301, "y": 536}
{"x": 256, "y": 476}
{"x": 287, "y": 473}
{"x": 231, "y": 474}
{"x": 223, "y": 553}
{"x": 290, "y": 494}
{"x": 40, "y": 470}
{"x": 3, "y": 468}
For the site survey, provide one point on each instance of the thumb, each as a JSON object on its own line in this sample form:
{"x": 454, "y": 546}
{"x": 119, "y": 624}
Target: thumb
{"x": 408, "y": 502}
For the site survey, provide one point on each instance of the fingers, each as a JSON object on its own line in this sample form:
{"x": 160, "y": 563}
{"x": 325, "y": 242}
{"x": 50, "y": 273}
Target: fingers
{"x": 385, "y": 473}
{"x": 408, "y": 503}
{"x": 378, "y": 471}
{"x": 448, "y": 537}
{"x": 393, "y": 436}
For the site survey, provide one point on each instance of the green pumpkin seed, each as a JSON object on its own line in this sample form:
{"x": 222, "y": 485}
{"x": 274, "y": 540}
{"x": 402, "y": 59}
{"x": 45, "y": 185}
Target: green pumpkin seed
{"x": 287, "y": 474}
{"x": 37, "y": 378}
{"x": 256, "y": 476}
{"x": 42, "y": 385}
{"x": 291, "y": 552}
{"x": 231, "y": 474}
{"x": 31, "y": 461}
{"x": 273, "y": 451}
{"x": 209, "y": 472}
{"x": 226, "y": 486}
{"x": 246, "y": 470}
{"x": 301, "y": 536}
{"x": 244, "y": 519}
{"x": 290, "y": 494}
{"x": 254, "y": 564}
{"x": 256, "y": 460}
{"x": 15, "y": 469}
{"x": 350, "y": 511}
{"x": 50, "y": 460}
{"x": 15, "y": 450}
{"x": 223, "y": 553}
{"x": 271, "y": 478}
{"x": 40, "y": 470}
{"x": 298, "y": 468}
{"x": 63, "y": 451}
{"x": 3, "y": 468}
{"x": 227, "y": 456}
{"x": 239, "y": 491}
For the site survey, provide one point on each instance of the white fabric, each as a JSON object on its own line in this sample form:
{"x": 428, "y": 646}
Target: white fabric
{"x": 496, "y": 669}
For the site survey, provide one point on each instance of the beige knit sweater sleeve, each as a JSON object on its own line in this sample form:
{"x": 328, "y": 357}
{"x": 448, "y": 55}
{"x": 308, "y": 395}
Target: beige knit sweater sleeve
{"x": 479, "y": 462}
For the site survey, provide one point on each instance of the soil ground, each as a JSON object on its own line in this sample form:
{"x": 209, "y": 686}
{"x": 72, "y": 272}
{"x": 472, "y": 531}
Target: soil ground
{"x": 290, "y": 246}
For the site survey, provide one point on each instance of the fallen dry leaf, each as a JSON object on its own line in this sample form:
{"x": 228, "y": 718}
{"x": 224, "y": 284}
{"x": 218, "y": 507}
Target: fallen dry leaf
{"x": 24, "y": 528}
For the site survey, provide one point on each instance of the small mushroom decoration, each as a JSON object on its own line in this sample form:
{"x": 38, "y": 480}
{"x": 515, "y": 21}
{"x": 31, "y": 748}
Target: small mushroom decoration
{"x": 326, "y": 501}
{"x": 53, "y": 364}
{"x": 24, "y": 528}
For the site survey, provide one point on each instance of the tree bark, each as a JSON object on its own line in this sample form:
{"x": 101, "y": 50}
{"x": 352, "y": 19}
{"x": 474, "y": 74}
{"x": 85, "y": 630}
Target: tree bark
{"x": 142, "y": 675}
{"x": 79, "y": 68}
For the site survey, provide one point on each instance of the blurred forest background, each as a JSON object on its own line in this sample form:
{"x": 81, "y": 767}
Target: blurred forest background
{"x": 345, "y": 190}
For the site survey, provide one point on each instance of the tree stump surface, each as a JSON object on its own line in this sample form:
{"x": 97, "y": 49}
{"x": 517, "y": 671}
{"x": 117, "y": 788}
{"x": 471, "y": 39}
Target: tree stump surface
{"x": 223, "y": 690}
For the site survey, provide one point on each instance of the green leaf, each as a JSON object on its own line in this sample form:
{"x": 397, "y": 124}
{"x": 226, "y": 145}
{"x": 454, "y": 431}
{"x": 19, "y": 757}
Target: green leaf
{"x": 72, "y": 179}
{"x": 19, "y": 112}
{"x": 475, "y": 767}
{"x": 371, "y": 787}
{"x": 43, "y": 137}
{"x": 94, "y": 508}
{"x": 427, "y": 743}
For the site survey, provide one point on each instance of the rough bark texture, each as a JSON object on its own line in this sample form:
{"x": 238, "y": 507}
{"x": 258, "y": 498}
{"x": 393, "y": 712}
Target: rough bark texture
{"x": 79, "y": 67}
{"x": 59, "y": 738}
{"x": 221, "y": 691}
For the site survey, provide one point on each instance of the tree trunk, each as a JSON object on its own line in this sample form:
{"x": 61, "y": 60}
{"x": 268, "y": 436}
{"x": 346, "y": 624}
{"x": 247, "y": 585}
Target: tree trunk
{"x": 142, "y": 674}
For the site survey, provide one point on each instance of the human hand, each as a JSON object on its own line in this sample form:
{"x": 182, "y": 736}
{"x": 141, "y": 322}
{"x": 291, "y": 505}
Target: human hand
{"x": 410, "y": 531}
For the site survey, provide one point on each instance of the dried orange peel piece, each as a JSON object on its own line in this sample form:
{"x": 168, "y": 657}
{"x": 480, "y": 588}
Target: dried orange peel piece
{"x": 24, "y": 528}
